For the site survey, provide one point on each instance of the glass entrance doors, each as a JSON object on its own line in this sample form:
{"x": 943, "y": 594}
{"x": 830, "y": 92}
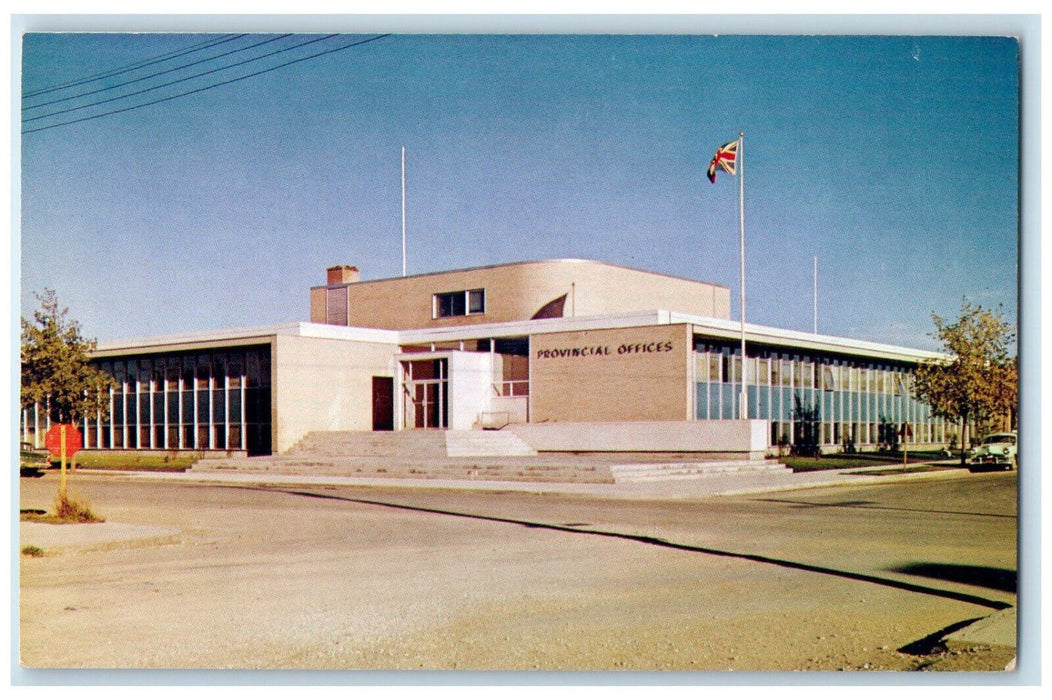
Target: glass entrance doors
{"x": 425, "y": 393}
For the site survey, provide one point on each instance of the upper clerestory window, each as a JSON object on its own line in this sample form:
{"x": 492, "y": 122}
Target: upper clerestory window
{"x": 465, "y": 303}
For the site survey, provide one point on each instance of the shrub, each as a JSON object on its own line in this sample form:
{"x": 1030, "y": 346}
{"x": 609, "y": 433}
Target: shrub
{"x": 888, "y": 434}
{"x": 805, "y": 428}
{"x": 70, "y": 510}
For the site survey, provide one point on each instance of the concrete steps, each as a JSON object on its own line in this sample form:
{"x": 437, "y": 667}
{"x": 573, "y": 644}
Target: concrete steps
{"x": 406, "y": 443}
{"x": 495, "y": 468}
{"x": 664, "y": 471}
{"x": 476, "y": 454}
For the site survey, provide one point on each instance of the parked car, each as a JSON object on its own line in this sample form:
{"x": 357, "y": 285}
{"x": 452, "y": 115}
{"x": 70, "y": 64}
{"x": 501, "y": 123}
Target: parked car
{"x": 29, "y": 456}
{"x": 995, "y": 450}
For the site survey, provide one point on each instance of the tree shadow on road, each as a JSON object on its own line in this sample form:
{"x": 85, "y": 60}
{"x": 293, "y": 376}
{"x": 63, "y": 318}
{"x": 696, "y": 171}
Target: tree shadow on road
{"x": 934, "y": 643}
{"x": 985, "y": 576}
{"x": 877, "y": 506}
{"x": 658, "y": 542}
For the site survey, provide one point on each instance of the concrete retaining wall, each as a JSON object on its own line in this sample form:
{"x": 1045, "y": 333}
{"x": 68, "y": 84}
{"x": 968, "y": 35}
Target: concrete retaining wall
{"x": 745, "y": 438}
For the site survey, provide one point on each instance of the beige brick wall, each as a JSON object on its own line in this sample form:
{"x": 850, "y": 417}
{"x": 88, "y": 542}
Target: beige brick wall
{"x": 322, "y": 384}
{"x": 516, "y": 292}
{"x": 317, "y": 305}
{"x": 627, "y": 374}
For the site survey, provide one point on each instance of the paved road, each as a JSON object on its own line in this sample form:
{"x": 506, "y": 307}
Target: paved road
{"x": 337, "y": 577}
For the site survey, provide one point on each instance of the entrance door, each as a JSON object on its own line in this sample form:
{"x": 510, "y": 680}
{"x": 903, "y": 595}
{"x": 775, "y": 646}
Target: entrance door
{"x": 383, "y": 403}
{"x": 425, "y": 393}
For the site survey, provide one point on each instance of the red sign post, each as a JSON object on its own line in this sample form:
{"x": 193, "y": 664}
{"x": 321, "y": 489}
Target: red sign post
{"x": 63, "y": 440}
{"x": 63, "y": 435}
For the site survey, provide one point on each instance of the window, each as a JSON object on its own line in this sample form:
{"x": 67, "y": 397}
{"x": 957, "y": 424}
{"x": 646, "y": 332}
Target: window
{"x": 465, "y": 303}
{"x": 829, "y": 377}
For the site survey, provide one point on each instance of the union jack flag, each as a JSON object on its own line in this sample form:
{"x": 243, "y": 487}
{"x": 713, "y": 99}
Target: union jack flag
{"x": 726, "y": 157}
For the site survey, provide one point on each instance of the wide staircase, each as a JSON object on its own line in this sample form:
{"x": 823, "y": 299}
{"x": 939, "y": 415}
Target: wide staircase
{"x": 468, "y": 454}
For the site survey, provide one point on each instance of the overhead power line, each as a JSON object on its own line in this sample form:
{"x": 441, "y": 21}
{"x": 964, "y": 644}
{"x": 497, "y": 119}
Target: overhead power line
{"x": 174, "y": 82}
{"x": 153, "y": 75}
{"x": 206, "y": 87}
{"x": 138, "y": 64}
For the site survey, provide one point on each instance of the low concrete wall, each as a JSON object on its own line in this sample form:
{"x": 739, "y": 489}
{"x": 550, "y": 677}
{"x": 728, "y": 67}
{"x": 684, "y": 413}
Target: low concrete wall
{"x": 745, "y": 438}
{"x": 513, "y": 408}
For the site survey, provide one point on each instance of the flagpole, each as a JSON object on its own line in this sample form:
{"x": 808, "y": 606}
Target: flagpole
{"x": 403, "y": 211}
{"x": 816, "y": 295}
{"x": 744, "y": 400}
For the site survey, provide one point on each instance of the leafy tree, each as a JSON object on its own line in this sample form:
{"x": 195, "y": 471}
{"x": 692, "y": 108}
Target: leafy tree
{"x": 979, "y": 381}
{"x": 806, "y": 420}
{"x": 888, "y": 434}
{"x": 56, "y": 369}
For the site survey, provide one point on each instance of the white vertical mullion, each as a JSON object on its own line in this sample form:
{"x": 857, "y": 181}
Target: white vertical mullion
{"x": 440, "y": 398}
{"x": 211, "y": 407}
{"x": 153, "y": 418}
{"x": 195, "y": 409}
{"x": 226, "y": 409}
{"x": 124, "y": 414}
{"x": 182, "y": 419}
{"x": 138, "y": 410}
{"x": 164, "y": 406}
{"x": 244, "y": 411}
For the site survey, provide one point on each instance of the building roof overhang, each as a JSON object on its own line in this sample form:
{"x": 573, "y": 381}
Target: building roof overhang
{"x": 243, "y": 336}
{"x": 703, "y": 326}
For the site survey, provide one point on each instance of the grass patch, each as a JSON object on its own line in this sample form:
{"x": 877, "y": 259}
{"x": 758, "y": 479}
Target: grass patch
{"x": 854, "y": 461}
{"x": 32, "y": 550}
{"x": 67, "y": 509}
{"x": 130, "y": 461}
{"x": 70, "y": 510}
{"x": 891, "y": 471}
{"x": 32, "y": 515}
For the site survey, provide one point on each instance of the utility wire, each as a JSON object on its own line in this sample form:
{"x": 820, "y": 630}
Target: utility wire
{"x": 209, "y": 87}
{"x": 174, "y": 82}
{"x": 138, "y": 64}
{"x": 154, "y": 75}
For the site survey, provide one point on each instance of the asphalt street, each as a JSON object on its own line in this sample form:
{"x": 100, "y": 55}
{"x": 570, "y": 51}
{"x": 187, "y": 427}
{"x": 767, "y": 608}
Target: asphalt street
{"x": 331, "y": 576}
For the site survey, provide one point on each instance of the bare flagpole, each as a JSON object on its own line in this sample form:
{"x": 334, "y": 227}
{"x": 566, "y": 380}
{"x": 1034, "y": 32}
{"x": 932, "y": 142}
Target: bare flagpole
{"x": 744, "y": 400}
{"x": 403, "y": 211}
{"x": 816, "y": 295}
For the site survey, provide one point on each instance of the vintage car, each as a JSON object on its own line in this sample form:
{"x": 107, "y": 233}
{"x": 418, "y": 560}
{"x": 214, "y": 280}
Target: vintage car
{"x": 30, "y": 457}
{"x": 995, "y": 450}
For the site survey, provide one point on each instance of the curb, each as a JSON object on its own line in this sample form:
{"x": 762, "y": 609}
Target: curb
{"x": 996, "y": 630}
{"x": 726, "y": 484}
{"x": 851, "y": 480}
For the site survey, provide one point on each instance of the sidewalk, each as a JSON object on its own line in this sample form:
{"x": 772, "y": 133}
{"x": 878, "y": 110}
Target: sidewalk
{"x": 729, "y": 484}
{"x": 997, "y": 630}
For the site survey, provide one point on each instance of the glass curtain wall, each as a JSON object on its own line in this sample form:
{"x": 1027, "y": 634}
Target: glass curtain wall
{"x": 205, "y": 400}
{"x": 860, "y": 403}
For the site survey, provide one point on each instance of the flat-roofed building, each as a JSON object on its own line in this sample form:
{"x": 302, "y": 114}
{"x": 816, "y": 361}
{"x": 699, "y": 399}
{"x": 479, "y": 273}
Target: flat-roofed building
{"x": 514, "y": 292}
{"x": 571, "y": 355}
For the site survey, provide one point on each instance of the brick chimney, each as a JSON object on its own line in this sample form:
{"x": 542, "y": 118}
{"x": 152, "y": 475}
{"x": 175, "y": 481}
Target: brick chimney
{"x": 342, "y": 274}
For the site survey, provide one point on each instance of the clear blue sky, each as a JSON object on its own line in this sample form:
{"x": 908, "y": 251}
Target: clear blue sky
{"x": 894, "y": 160}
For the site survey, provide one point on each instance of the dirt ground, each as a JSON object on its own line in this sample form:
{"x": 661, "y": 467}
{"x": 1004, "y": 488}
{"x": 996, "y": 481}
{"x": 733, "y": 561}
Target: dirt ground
{"x": 409, "y": 579}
